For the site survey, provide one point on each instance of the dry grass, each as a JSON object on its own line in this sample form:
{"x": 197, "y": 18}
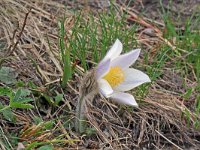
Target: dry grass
{"x": 156, "y": 124}
{"x": 40, "y": 24}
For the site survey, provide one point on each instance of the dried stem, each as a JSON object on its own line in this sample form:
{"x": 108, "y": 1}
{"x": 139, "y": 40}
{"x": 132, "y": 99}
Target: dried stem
{"x": 10, "y": 51}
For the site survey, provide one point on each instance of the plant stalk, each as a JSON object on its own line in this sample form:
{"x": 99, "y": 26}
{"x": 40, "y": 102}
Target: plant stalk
{"x": 87, "y": 90}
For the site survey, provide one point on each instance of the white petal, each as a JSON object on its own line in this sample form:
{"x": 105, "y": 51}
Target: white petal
{"x": 132, "y": 79}
{"x": 115, "y": 50}
{"x": 104, "y": 88}
{"x": 124, "y": 98}
{"x": 102, "y": 68}
{"x": 127, "y": 59}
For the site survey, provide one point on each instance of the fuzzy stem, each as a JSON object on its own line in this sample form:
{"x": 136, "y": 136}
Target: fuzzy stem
{"x": 87, "y": 91}
{"x": 80, "y": 117}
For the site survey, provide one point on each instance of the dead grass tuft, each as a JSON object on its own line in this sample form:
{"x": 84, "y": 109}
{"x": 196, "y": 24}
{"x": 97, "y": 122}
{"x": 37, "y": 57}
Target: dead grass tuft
{"x": 156, "y": 124}
{"x": 33, "y": 49}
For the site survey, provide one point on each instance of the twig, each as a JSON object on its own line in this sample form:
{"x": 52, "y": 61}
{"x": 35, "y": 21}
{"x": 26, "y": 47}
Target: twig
{"x": 169, "y": 140}
{"x": 140, "y": 20}
{"x": 10, "y": 51}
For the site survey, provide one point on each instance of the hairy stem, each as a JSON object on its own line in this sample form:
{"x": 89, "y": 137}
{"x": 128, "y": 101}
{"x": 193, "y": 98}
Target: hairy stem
{"x": 87, "y": 91}
{"x": 80, "y": 120}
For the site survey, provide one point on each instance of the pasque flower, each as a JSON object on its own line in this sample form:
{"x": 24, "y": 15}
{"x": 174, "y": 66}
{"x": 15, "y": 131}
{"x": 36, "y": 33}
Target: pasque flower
{"x": 111, "y": 78}
{"x": 114, "y": 76}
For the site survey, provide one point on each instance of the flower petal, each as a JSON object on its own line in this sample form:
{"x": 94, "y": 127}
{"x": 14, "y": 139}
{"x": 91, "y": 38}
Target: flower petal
{"x": 102, "y": 68}
{"x": 114, "y": 51}
{"x": 104, "y": 88}
{"x": 127, "y": 59}
{"x": 124, "y": 98}
{"x": 133, "y": 78}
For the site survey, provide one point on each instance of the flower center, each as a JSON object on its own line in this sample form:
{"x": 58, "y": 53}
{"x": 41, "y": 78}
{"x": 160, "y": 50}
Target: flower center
{"x": 115, "y": 76}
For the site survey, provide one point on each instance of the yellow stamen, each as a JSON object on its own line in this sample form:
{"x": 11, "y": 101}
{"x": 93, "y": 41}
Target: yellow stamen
{"x": 115, "y": 76}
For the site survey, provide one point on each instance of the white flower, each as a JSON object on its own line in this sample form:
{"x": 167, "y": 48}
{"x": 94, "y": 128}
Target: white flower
{"x": 114, "y": 76}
